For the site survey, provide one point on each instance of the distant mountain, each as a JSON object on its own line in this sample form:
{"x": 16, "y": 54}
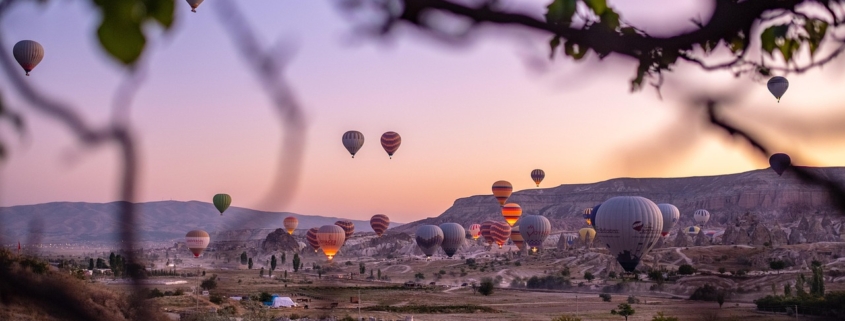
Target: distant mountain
{"x": 772, "y": 198}
{"x": 158, "y": 221}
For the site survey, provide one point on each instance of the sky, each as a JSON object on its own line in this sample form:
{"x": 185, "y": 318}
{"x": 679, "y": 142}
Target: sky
{"x": 494, "y": 109}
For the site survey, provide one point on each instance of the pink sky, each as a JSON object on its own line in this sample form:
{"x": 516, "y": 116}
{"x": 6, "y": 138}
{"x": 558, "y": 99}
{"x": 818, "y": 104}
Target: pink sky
{"x": 468, "y": 117}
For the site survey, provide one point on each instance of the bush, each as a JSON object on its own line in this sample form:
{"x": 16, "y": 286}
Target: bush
{"x": 216, "y": 298}
{"x": 686, "y": 269}
{"x": 709, "y": 293}
{"x": 487, "y": 286}
{"x": 155, "y": 293}
{"x": 660, "y": 317}
{"x": 550, "y": 282}
{"x": 566, "y": 318}
{"x": 605, "y": 297}
{"x": 611, "y": 275}
{"x": 633, "y": 300}
{"x": 265, "y": 297}
{"x": 209, "y": 283}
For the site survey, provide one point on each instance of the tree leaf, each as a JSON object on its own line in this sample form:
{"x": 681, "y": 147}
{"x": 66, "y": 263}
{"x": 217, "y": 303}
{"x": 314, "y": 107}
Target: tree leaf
{"x": 770, "y": 37}
{"x": 610, "y": 19}
{"x": 554, "y": 43}
{"x": 816, "y": 30}
{"x": 574, "y": 50}
{"x": 598, "y": 6}
{"x": 560, "y": 12}
{"x": 121, "y": 28}
{"x": 161, "y": 11}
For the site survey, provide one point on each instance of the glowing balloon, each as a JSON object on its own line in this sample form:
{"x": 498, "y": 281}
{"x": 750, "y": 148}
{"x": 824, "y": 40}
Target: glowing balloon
{"x": 379, "y": 223}
{"x": 311, "y": 238}
{"x": 587, "y": 215}
{"x": 290, "y": 223}
{"x": 511, "y": 212}
{"x": 777, "y": 86}
{"x": 670, "y": 214}
{"x": 537, "y": 175}
{"x": 500, "y": 232}
{"x": 331, "y": 238}
{"x": 629, "y": 226}
{"x": 353, "y": 140}
{"x": 780, "y": 162}
{"x": 475, "y": 231}
{"x": 429, "y": 238}
{"x": 535, "y": 229}
{"x": 390, "y": 141}
{"x": 502, "y": 190}
{"x": 197, "y": 241}
{"x": 28, "y": 53}
{"x": 222, "y": 202}
{"x": 453, "y": 237}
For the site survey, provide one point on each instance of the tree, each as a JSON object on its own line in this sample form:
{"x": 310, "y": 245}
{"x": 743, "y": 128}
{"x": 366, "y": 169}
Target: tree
{"x": 661, "y": 317}
{"x": 272, "y": 264}
{"x": 566, "y": 318}
{"x": 286, "y": 274}
{"x": 209, "y": 283}
{"x": 419, "y": 276}
{"x": 722, "y": 270}
{"x": 589, "y": 276}
{"x": 91, "y": 264}
{"x": 296, "y": 263}
{"x": 244, "y": 258}
{"x": 249, "y": 264}
{"x": 379, "y": 274}
{"x": 487, "y": 286}
{"x": 686, "y": 269}
{"x": 787, "y": 290}
{"x": 283, "y": 257}
{"x": 261, "y": 273}
{"x": 817, "y": 282}
{"x": 777, "y": 265}
{"x": 720, "y": 298}
{"x": 606, "y": 297}
{"x": 474, "y": 287}
{"x": 656, "y": 276}
{"x": 799, "y": 285}
{"x": 362, "y": 268}
{"x": 623, "y": 309}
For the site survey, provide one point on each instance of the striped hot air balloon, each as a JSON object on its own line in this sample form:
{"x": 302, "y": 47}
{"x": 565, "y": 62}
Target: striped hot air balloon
{"x": 537, "y": 175}
{"x": 453, "y": 238}
{"x": 588, "y": 215}
{"x": 311, "y": 237}
{"x": 500, "y": 232}
{"x": 516, "y": 238}
{"x": 671, "y": 214}
{"x": 290, "y": 223}
{"x": 390, "y": 141}
{"x": 28, "y": 53}
{"x": 347, "y": 226}
{"x": 485, "y": 231}
{"x": 502, "y": 190}
{"x": 701, "y": 216}
{"x": 511, "y": 212}
{"x": 593, "y": 215}
{"x": 535, "y": 229}
{"x": 197, "y": 241}
{"x": 222, "y": 202}
{"x": 475, "y": 231}
{"x": 429, "y": 238}
{"x": 379, "y": 223}
{"x": 353, "y": 140}
{"x": 331, "y": 238}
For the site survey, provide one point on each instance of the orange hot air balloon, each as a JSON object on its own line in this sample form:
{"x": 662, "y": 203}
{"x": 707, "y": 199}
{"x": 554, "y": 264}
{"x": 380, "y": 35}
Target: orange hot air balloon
{"x": 311, "y": 237}
{"x": 290, "y": 224}
{"x": 379, "y": 223}
{"x": 197, "y": 241}
{"x": 502, "y": 190}
{"x": 500, "y": 232}
{"x": 517, "y": 238}
{"x": 331, "y": 238}
{"x": 390, "y": 141}
{"x": 511, "y": 212}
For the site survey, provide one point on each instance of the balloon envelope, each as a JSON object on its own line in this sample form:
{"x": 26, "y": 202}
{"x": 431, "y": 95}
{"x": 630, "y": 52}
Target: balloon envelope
{"x": 517, "y": 238}
{"x": 535, "y": 229}
{"x": 475, "y": 231}
{"x": 780, "y": 162}
{"x": 701, "y": 216}
{"x": 222, "y": 202}
{"x": 537, "y": 175}
{"x": 453, "y": 237}
{"x": 379, "y": 223}
{"x": 429, "y": 238}
{"x": 485, "y": 231}
{"x": 500, "y": 232}
{"x": 511, "y": 212}
{"x": 777, "y": 86}
{"x": 629, "y": 226}
{"x": 670, "y": 214}
{"x": 692, "y": 230}
{"x": 502, "y": 190}
{"x": 291, "y": 223}
{"x": 587, "y": 235}
{"x": 347, "y": 226}
{"x": 28, "y": 53}
{"x": 390, "y": 141}
{"x": 197, "y": 241}
{"x": 353, "y": 140}
{"x": 587, "y": 215}
{"x": 311, "y": 238}
{"x": 194, "y": 4}
{"x": 331, "y": 238}
{"x": 593, "y": 215}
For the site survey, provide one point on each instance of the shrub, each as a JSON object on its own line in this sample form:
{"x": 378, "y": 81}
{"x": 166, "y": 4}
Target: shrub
{"x": 487, "y": 286}
{"x": 566, "y": 318}
{"x": 155, "y": 293}
{"x": 551, "y": 282}
{"x": 216, "y": 298}
{"x": 605, "y": 297}
{"x": 686, "y": 269}
{"x": 660, "y": 317}
{"x": 633, "y": 300}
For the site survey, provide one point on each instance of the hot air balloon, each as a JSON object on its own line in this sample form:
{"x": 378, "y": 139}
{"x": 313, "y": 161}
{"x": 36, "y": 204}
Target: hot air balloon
{"x": 429, "y": 238}
{"x": 701, "y": 217}
{"x": 511, "y": 212}
{"x": 28, "y": 53}
{"x": 535, "y": 229}
{"x": 194, "y": 4}
{"x": 593, "y": 215}
{"x": 453, "y": 237}
{"x": 485, "y": 231}
{"x": 780, "y": 162}
{"x": 629, "y": 226}
{"x": 537, "y": 175}
{"x": 570, "y": 239}
{"x": 475, "y": 231}
{"x": 502, "y": 190}
{"x": 222, "y": 202}
{"x": 347, "y": 226}
{"x": 390, "y": 141}
{"x": 500, "y": 232}
{"x": 197, "y": 241}
{"x": 588, "y": 215}
{"x": 517, "y": 238}
{"x": 331, "y": 238}
{"x": 670, "y": 214}
{"x": 311, "y": 237}
{"x": 587, "y": 235}
{"x": 379, "y": 223}
{"x": 777, "y": 86}
{"x": 692, "y": 230}
{"x": 353, "y": 140}
{"x": 290, "y": 224}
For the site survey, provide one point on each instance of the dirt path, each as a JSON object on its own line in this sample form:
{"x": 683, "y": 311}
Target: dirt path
{"x": 683, "y": 257}
{"x": 407, "y": 268}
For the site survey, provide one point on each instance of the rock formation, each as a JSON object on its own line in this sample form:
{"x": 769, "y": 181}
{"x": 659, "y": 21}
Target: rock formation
{"x": 760, "y": 235}
{"x": 279, "y": 241}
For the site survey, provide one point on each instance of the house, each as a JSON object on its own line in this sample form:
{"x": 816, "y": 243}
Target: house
{"x": 277, "y": 301}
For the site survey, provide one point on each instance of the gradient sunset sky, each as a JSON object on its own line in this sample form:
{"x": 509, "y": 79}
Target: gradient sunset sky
{"x": 494, "y": 109}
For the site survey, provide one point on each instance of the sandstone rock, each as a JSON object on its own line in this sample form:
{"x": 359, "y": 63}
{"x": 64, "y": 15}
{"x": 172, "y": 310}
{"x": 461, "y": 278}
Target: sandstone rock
{"x": 796, "y": 236}
{"x": 742, "y": 237}
{"x": 683, "y": 239}
{"x": 779, "y": 236}
{"x": 804, "y": 224}
{"x": 760, "y": 235}
{"x": 279, "y": 241}
{"x": 701, "y": 239}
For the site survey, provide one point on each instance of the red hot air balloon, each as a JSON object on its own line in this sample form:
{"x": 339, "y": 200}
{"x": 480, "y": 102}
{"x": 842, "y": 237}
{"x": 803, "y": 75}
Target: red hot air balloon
{"x": 780, "y": 162}
{"x": 311, "y": 237}
{"x": 517, "y": 238}
{"x": 475, "y": 231}
{"x": 502, "y": 190}
{"x": 347, "y": 226}
{"x": 331, "y": 238}
{"x": 291, "y": 223}
{"x": 379, "y": 223}
{"x": 390, "y": 141}
{"x": 500, "y": 232}
{"x": 485, "y": 231}
{"x": 511, "y": 212}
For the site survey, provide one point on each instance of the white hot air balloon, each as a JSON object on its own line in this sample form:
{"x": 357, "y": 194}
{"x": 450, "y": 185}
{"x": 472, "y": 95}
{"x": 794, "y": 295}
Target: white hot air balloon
{"x": 197, "y": 241}
{"x": 534, "y": 230}
{"x": 353, "y": 140}
{"x": 671, "y": 214}
{"x": 777, "y": 86}
{"x": 28, "y": 53}
{"x": 453, "y": 237}
{"x": 194, "y": 4}
{"x": 429, "y": 238}
{"x": 629, "y": 226}
{"x": 701, "y": 217}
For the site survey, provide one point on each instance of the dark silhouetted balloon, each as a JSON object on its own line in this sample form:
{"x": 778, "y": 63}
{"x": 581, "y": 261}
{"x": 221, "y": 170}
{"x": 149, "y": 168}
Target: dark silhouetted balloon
{"x": 780, "y": 162}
